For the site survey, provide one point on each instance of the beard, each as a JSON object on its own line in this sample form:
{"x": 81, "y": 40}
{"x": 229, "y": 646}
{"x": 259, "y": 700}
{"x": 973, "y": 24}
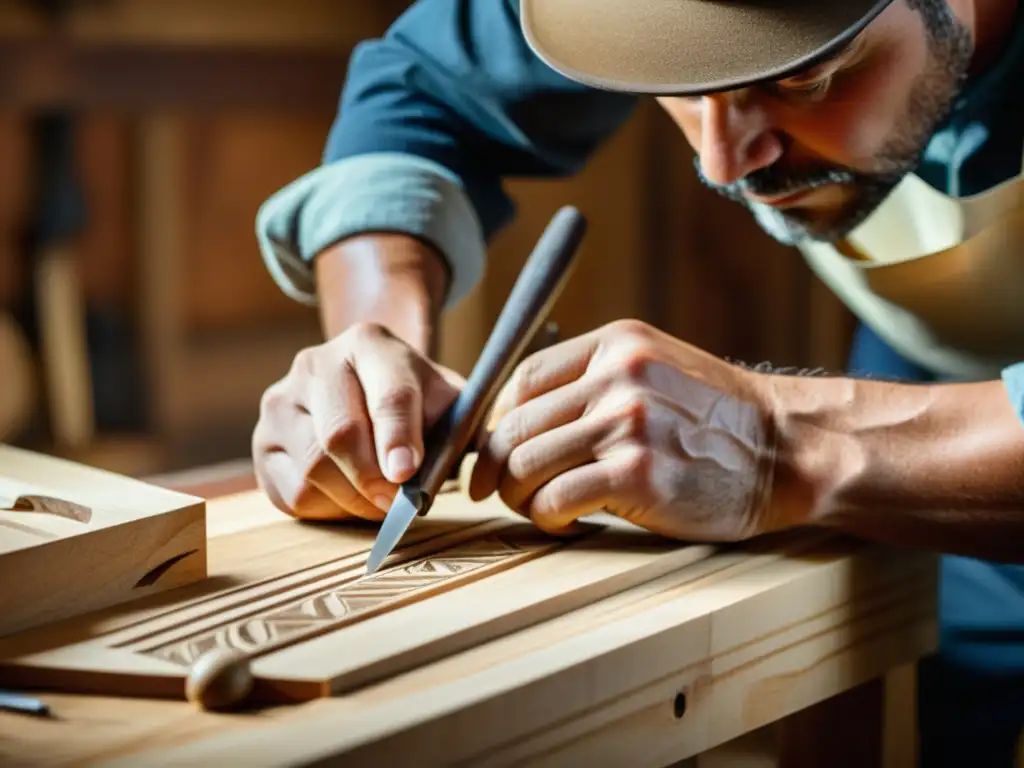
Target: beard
{"x": 932, "y": 96}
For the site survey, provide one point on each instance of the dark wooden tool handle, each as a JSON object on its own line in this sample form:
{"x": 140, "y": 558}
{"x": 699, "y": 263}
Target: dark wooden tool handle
{"x": 535, "y": 291}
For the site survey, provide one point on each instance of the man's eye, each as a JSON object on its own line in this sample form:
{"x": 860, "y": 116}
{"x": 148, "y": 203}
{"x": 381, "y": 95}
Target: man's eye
{"x": 804, "y": 88}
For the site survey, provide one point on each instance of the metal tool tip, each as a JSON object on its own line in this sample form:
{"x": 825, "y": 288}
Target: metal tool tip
{"x": 374, "y": 559}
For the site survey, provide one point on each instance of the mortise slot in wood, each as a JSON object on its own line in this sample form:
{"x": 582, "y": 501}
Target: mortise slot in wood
{"x": 154, "y": 574}
{"x": 49, "y": 505}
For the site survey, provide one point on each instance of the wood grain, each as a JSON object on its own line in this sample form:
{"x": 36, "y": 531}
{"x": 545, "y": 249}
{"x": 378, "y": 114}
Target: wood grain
{"x": 199, "y": 23}
{"x": 75, "y": 539}
{"x": 316, "y": 625}
{"x": 17, "y": 393}
{"x": 745, "y": 637}
{"x": 804, "y": 617}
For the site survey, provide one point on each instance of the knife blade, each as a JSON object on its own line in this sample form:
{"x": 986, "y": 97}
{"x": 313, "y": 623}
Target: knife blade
{"x": 534, "y": 293}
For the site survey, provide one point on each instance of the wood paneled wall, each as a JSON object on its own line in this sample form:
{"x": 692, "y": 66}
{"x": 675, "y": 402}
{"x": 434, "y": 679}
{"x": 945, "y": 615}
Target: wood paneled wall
{"x": 173, "y": 191}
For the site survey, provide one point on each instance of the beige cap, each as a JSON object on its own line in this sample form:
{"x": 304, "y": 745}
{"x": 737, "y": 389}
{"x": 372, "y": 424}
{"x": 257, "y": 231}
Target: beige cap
{"x": 686, "y": 47}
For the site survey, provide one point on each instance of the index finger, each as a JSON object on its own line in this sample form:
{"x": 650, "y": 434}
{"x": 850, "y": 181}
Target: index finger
{"x": 544, "y": 371}
{"x": 393, "y": 392}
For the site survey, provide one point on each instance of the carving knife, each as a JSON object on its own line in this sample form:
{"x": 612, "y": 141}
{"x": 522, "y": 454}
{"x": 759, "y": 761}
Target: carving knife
{"x": 535, "y": 291}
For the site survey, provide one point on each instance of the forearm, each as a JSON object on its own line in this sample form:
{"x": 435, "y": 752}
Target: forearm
{"x": 435, "y": 115}
{"x": 931, "y": 466}
{"x": 393, "y": 280}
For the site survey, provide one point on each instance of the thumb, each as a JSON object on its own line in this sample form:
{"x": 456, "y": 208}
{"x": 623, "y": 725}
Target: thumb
{"x": 441, "y": 386}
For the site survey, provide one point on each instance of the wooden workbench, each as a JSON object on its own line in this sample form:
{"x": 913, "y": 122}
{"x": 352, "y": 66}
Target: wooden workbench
{"x": 763, "y": 647}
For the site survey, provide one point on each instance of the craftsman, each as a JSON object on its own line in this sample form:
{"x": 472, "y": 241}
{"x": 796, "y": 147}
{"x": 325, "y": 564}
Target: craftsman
{"x": 854, "y": 130}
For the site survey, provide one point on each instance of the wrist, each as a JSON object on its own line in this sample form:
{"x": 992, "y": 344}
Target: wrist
{"x": 820, "y": 456}
{"x": 926, "y": 465}
{"x": 393, "y": 280}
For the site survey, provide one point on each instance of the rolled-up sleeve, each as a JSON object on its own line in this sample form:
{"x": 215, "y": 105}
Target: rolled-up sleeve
{"x": 375, "y": 192}
{"x": 1013, "y": 378}
{"x": 434, "y": 116}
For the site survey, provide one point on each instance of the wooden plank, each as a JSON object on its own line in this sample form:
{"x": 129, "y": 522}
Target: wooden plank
{"x": 658, "y": 674}
{"x": 316, "y": 624}
{"x": 41, "y": 74}
{"x": 319, "y": 23}
{"x": 18, "y": 396}
{"x": 162, "y": 241}
{"x": 75, "y": 539}
{"x": 221, "y": 479}
{"x": 899, "y": 733}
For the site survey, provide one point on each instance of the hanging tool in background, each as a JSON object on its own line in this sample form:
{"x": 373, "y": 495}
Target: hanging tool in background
{"x": 57, "y": 296}
{"x": 57, "y": 312}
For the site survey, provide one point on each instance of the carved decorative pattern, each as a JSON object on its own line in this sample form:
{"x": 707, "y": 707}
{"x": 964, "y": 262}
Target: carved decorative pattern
{"x": 334, "y": 607}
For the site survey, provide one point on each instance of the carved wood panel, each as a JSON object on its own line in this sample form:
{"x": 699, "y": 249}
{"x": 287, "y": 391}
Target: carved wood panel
{"x": 299, "y": 605}
{"x": 354, "y": 599}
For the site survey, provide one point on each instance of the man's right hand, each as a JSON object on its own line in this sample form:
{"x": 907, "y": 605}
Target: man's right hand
{"x": 345, "y": 426}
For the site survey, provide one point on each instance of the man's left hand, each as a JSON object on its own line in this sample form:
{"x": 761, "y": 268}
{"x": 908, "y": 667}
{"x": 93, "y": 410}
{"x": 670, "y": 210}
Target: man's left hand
{"x": 632, "y": 421}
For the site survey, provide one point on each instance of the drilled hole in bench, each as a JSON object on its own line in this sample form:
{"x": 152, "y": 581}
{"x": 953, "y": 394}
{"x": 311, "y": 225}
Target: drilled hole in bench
{"x": 679, "y": 705}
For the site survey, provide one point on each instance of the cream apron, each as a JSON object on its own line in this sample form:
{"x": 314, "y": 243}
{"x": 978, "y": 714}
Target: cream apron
{"x": 940, "y": 279}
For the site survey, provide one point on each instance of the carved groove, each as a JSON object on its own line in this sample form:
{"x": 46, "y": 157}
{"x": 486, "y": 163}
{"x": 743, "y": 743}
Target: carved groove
{"x": 51, "y": 505}
{"x": 151, "y": 576}
{"x": 359, "y": 599}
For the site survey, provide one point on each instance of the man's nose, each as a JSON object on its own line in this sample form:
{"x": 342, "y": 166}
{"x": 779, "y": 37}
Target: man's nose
{"x": 736, "y": 137}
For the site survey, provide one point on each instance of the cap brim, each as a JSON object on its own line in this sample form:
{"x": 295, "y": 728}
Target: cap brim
{"x": 689, "y": 47}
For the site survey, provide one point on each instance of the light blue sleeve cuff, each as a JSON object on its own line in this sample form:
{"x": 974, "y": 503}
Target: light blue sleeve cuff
{"x": 1013, "y": 378}
{"x": 377, "y": 192}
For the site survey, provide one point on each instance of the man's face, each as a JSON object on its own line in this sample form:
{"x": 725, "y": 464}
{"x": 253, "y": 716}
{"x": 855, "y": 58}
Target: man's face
{"x": 811, "y": 156}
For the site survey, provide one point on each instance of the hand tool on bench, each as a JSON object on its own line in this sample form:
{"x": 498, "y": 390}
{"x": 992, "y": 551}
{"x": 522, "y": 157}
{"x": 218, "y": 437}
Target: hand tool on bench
{"x": 534, "y": 293}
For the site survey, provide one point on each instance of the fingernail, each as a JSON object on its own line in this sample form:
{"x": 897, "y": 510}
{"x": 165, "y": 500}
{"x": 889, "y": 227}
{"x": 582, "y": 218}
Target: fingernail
{"x": 400, "y": 463}
{"x": 383, "y": 502}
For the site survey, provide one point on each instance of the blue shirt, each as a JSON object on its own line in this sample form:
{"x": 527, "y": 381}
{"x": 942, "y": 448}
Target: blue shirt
{"x": 451, "y": 101}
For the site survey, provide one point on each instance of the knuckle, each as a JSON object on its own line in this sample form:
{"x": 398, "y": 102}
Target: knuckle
{"x": 523, "y": 378}
{"x": 399, "y": 399}
{"x": 556, "y": 501}
{"x": 342, "y": 433}
{"x": 635, "y": 467}
{"x": 274, "y": 398}
{"x": 365, "y": 331}
{"x": 260, "y": 442}
{"x": 523, "y": 463}
{"x": 304, "y": 361}
{"x": 629, "y": 328}
{"x": 633, "y": 414}
{"x": 636, "y": 362}
{"x": 509, "y": 433}
{"x": 630, "y": 351}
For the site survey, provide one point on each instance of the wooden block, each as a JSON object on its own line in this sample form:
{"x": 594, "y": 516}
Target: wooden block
{"x": 294, "y": 599}
{"x": 75, "y": 539}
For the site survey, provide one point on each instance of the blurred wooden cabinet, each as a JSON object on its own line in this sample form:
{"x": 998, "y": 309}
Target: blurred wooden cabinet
{"x": 189, "y": 114}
